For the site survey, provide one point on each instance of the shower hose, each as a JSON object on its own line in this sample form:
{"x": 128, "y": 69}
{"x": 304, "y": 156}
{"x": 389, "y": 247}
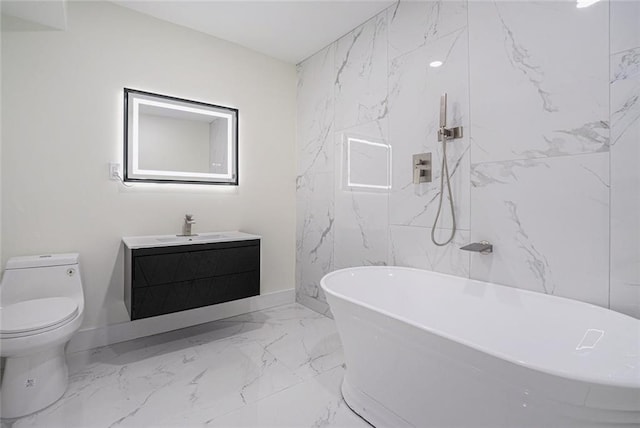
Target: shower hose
{"x": 444, "y": 174}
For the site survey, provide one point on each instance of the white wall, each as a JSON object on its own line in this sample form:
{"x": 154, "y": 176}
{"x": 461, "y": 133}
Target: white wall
{"x": 62, "y": 110}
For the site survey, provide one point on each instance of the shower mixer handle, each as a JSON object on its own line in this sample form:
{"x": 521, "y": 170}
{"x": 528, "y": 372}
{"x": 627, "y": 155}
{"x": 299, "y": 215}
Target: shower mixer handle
{"x": 422, "y": 168}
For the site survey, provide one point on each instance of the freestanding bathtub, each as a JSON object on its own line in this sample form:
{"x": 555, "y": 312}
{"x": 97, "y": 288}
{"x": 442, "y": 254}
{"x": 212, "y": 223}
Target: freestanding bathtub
{"x": 425, "y": 349}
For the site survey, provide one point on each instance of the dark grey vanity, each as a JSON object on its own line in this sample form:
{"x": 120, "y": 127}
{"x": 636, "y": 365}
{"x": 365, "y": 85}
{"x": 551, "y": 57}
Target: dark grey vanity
{"x": 165, "y": 274}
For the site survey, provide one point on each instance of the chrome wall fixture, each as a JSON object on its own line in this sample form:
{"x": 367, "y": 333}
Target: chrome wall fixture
{"x": 445, "y": 134}
{"x": 482, "y": 247}
{"x": 422, "y": 168}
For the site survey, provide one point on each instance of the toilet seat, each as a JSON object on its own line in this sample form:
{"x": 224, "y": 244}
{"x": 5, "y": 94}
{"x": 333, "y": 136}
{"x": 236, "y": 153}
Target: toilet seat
{"x": 36, "y": 316}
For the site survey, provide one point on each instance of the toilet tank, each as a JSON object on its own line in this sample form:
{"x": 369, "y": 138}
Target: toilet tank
{"x": 36, "y": 277}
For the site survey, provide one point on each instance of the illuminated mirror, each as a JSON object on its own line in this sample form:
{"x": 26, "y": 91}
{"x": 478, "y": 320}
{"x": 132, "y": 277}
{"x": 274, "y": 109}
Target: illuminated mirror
{"x": 173, "y": 140}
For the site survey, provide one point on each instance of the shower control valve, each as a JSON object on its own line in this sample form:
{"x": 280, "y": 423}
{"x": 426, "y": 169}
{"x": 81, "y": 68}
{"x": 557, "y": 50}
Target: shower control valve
{"x": 422, "y": 168}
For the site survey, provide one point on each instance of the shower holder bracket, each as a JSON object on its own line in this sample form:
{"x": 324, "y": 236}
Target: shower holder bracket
{"x": 450, "y": 133}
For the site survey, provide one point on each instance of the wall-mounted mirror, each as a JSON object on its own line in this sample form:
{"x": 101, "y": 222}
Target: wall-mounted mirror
{"x": 173, "y": 140}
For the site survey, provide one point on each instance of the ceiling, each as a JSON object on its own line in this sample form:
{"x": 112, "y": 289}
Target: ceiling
{"x": 288, "y": 30}
{"x": 33, "y": 15}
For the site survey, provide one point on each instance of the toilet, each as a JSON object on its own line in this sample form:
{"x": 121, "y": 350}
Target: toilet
{"x": 41, "y": 307}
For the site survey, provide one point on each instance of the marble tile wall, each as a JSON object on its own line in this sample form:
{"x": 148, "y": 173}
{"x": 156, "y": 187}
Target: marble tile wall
{"x": 540, "y": 143}
{"x": 314, "y": 184}
{"x": 625, "y": 156}
{"x": 546, "y": 169}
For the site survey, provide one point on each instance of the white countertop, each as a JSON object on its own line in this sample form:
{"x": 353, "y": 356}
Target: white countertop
{"x": 152, "y": 241}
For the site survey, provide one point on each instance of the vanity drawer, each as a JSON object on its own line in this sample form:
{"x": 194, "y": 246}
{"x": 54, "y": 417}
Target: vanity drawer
{"x": 157, "y": 269}
{"x": 180, "y": 296}
{"x": 162, "y": 280}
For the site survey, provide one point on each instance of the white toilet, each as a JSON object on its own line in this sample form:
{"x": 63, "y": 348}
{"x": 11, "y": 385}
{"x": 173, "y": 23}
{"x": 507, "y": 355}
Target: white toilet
{"x": 41, "y": 307}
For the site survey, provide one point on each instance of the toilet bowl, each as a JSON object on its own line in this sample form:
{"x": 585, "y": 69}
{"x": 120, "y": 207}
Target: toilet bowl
{"x": 41, "y": 307}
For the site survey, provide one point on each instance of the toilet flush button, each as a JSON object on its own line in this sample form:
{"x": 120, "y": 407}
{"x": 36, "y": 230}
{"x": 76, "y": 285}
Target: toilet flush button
{"x": 71, "y": 271}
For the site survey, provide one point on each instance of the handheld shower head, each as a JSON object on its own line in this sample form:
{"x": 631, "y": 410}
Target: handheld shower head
{"x": 443, "y": 110}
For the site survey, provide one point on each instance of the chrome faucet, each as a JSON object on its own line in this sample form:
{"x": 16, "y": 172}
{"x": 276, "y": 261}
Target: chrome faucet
{"x": 482, "y": 247}
{"x": 186, "y": 227}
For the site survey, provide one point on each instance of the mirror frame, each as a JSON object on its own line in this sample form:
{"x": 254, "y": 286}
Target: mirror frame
{"x": 152, "y": 176}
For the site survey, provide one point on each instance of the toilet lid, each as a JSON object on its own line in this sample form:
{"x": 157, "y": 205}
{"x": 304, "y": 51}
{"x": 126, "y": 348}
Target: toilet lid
{"x": 30, "y": 316}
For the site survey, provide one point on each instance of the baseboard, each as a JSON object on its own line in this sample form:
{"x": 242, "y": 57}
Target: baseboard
{"x": 114, "y": 333}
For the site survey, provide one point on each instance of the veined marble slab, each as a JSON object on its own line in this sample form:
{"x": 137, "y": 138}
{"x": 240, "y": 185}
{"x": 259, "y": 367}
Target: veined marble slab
{"x": 360, "y": 79}
{"x": 315, "y": 111}
{"x": 414, "y": 114}
{"x": 539, "y": 79}
{"x": 411, "y": 246}
{"x": 548, "y": 221}
{"x": 215, "y": 374}
{"x": 625, "y": 181}
{"x": 625, "y": 25}
{"x": 315, "y": 234}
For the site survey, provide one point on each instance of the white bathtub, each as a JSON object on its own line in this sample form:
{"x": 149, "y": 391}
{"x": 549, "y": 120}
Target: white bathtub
{"x": 426, "y": 349}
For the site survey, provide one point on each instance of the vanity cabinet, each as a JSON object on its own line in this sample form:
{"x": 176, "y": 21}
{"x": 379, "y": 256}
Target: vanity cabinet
{"x": 166, "y": 279}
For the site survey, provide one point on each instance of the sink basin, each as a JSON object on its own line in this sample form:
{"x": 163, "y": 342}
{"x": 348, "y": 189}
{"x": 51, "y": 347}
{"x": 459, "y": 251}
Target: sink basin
{"x": 170, "y": 240}
{"x": 204, "y": 237}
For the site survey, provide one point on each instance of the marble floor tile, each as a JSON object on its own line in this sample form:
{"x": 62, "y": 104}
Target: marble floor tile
{"x": 322, "y": 407}
{"x": 276, "y": 367}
